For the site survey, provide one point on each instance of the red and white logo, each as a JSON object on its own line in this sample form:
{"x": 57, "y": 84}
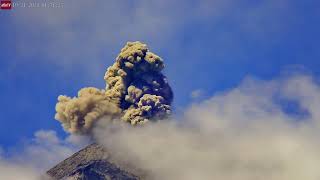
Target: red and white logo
{"x": 6, "y": 4}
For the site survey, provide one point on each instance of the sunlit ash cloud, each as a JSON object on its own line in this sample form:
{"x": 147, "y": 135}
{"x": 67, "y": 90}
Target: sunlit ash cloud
{"x": 136, "y": 92}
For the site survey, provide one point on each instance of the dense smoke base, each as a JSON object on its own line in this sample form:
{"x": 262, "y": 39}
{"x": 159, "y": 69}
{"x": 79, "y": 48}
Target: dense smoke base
{"x": 247, "y": 133}
{"x": 136, "y": 92}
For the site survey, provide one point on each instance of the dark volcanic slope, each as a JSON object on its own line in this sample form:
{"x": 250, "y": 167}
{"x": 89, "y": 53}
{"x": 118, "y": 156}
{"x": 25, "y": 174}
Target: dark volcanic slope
{"x": 90, "y": 163}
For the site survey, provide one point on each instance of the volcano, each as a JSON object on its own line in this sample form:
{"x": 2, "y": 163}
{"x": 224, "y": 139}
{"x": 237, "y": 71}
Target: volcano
{"x": 92, "y": 163}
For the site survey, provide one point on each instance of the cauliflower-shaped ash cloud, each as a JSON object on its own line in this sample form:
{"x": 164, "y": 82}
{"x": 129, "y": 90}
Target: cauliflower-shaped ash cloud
{"x": 136, "y": 92}
{"x": 78, "y": 114}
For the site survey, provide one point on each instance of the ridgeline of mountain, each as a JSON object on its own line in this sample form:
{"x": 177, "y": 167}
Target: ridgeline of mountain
{"x": 91, "y": 163}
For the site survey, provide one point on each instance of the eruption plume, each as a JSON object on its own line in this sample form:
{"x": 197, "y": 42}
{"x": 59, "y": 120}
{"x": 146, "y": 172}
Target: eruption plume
{"x": 136, "y": 92}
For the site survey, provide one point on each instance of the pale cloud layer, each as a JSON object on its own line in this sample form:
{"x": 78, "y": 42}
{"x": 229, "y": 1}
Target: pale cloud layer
{"x": 246, "y": 133}
{"x": 86, "y": 33}
{"x": 198, "y": 93}
{"x": 31, "y": 160}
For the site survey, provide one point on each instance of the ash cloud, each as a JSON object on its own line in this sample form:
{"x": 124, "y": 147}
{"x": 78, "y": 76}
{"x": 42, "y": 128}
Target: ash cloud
{"x": 136, "y": 92}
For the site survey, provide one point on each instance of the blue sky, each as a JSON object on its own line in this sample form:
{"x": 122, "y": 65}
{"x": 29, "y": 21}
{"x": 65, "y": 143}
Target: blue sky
{"x": 209, "y": 46}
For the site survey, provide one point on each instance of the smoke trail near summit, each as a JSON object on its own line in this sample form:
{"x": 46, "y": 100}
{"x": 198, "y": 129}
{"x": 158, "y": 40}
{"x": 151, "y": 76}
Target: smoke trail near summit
{"x": 136, "y": 92}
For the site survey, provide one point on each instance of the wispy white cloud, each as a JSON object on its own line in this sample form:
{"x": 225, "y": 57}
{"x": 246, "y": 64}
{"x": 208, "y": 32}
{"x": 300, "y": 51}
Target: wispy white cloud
{"x": 196, "y": 94}
{"x": 87, "y": 33}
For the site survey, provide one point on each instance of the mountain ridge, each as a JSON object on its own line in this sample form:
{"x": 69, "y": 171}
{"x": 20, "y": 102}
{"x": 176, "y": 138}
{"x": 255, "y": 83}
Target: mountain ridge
{"x": 92, "y": 162}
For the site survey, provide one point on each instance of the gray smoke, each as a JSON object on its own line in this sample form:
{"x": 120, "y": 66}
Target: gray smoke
{"x": 136, "y": 92}
{"x": 241, "y": 134}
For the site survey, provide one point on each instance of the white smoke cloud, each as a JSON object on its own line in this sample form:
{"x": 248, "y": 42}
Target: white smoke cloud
{"x": 33, "y": 159}
{"x": 247, "y": 133}
{"x": 12, "y": 171}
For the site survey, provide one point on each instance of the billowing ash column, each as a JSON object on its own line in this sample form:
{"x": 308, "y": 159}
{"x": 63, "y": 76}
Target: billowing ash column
{"x": 136, "y": 92}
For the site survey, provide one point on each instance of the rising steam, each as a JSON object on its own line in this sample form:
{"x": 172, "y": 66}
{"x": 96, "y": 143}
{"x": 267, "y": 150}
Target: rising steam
{"x": 136, "y": 92}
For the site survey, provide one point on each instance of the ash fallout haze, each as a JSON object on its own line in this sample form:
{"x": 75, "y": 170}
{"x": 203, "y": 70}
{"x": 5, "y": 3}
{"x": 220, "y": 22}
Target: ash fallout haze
{"x": 212, "y": 89}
